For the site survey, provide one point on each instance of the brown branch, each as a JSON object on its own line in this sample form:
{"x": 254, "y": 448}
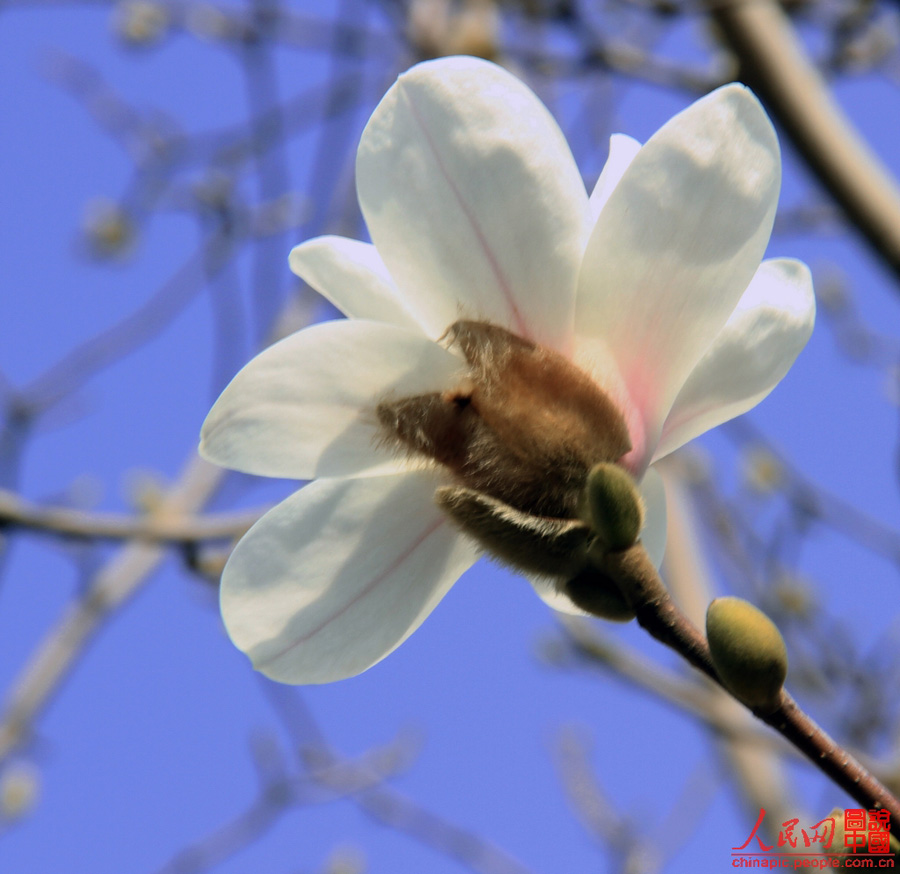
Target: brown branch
{"x": 640, "y": 583}
{"x": 774, "y": 63}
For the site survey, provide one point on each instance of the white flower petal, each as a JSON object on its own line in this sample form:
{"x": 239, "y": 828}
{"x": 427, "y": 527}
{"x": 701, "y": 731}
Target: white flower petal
{"x": 305, "y": 407}
{"x": 676, "y": 244}
{"x": 653, "y": 534}
{"x": 340, "y": 574}
{"x": 622, "y": 151}
{"x": 750, "y": 356}
{"x": 474, "y": 200}
{"x": 353, "y": 277}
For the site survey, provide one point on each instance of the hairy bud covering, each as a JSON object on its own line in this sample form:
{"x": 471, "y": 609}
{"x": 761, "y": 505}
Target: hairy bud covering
{"x": 519, "y": 435}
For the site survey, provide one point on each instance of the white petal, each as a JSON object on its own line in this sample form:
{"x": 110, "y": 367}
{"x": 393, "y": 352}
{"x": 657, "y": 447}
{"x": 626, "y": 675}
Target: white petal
{"x": 751, "y": 354}
{"x": 676, "y": 244}
{"x": 653, "y": 534}
{"x": 305, "y": 407}
{"x": 474, "y": 200}
{"x": 340, "y": 574}
{"x": 622, "y": 151}
{"x": 353, "y": 277}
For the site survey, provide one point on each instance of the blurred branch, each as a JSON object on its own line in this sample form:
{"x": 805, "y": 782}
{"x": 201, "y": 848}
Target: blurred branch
{"x": 634, "y": 853}
{"x": 110, "y": 588}
{"x": 382, "y": 804}
{"x": 690, "y": 695}
{"x": 282, "y": 792}
{"x": 774, "y": 63}
{"x": 124, "y": 337}
{"x": 816, "y": 503}
{"x": 19, "y": 514}
{"x": 604, "y": 55}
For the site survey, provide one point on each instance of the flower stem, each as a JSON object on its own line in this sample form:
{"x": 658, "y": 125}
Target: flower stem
{"x": 640, "y": 584}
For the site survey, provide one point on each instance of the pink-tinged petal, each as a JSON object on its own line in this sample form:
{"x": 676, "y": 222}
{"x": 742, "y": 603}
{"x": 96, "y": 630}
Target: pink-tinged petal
{"x": 305, "y": 407}
{"x": 750, "y": 356}
{"x": 653, "y": 534}
{"x": 474, "y": 200}
{"x": 676, "y": 245}
{"x": 622, "y": 151}
{"x": 340, "y": 574}
{"x": 353, "y": 277}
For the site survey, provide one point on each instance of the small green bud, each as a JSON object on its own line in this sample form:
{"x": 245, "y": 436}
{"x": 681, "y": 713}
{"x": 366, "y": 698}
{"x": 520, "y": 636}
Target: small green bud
{"x": 597, "y": 594}
{"x": 748, "y": 652}
{"x": 612, "y": 506}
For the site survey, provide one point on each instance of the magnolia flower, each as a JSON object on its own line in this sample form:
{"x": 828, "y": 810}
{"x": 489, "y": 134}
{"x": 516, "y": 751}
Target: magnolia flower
{"x": 506, "y": 331}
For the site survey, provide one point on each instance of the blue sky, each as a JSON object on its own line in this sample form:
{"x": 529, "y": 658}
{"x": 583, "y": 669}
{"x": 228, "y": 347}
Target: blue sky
{"x": 148, "y": 746}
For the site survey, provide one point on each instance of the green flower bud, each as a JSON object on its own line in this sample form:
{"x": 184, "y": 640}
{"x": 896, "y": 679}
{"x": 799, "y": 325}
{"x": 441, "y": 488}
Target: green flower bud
{"x": 748, "y": 652}
{"x": 612, "y": 506}
{"x": 598, "y": 595}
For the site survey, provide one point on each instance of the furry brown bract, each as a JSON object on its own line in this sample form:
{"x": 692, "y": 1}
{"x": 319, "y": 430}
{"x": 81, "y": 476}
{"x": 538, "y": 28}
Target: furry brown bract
{"x": 524, "y": 427}
{"x": 519, "y": 435}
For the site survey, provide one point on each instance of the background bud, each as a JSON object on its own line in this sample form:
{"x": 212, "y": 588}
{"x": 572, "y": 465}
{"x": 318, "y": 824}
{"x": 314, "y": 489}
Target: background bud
{"x": 748, "y": 651}
{"x": 19, "y": 790}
